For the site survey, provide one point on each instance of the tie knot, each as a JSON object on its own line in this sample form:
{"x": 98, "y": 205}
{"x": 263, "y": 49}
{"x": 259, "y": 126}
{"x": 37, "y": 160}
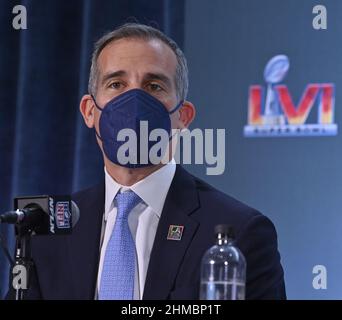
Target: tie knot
{"x": 126, "y": 201}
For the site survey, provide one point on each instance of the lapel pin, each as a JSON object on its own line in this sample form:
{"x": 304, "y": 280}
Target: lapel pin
{"x": 175, "y": 232}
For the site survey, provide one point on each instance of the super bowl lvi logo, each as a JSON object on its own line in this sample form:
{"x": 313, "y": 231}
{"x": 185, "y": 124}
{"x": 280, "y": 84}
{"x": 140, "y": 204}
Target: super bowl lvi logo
{"x": 274, "y": 114}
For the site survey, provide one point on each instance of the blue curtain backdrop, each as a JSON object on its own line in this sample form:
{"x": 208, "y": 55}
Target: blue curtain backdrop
{"x": 44, "y": 146}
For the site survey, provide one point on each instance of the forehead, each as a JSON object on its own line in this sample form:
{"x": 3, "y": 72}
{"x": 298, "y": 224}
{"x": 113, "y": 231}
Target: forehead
{"x": 137, "y": 55}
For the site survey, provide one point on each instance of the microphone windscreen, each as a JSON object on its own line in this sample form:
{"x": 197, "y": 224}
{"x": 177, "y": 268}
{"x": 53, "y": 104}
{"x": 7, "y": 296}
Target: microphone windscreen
{"x": 75, "y": 211}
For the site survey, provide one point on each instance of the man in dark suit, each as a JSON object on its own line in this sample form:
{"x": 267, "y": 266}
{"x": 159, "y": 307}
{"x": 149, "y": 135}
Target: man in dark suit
{"x": 120, "y": 247}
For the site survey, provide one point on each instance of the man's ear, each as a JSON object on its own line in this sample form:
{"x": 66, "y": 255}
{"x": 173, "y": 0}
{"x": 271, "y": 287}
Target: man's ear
{"x": 87, "y": 109}
{"x": 186, "y": 114}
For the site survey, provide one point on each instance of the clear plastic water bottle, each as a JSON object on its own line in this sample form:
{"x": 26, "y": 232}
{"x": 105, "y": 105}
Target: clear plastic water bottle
{"x": 223, "y": 269}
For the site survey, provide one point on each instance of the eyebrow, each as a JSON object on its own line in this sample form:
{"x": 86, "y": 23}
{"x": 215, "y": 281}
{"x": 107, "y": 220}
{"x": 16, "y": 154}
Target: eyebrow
{"x": 158, "y": 76}
{"x": 114, "y": 74}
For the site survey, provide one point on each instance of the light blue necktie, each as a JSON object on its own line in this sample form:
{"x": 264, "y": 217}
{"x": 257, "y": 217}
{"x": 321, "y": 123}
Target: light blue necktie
{"x": 117, "y": 278}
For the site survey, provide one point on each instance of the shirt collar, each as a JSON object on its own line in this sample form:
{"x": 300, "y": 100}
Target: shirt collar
{"x": 152, "y": 189}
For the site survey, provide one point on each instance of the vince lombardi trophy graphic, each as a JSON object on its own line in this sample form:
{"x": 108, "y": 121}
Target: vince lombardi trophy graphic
{"x": 275, "y": 71}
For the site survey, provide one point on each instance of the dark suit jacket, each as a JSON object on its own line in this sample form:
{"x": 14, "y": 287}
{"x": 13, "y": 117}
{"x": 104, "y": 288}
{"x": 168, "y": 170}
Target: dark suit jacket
{"x": 66, "y": 266}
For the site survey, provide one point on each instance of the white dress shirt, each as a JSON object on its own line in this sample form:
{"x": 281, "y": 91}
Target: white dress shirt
{"x": 143, "y": 219}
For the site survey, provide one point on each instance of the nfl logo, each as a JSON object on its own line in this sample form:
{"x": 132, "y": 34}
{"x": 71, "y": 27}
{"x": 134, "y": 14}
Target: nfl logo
{"x": 175, "y": 232}
{"x": 63, "y": 215}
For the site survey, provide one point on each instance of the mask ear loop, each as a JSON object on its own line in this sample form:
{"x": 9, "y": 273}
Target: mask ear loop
{"x": 96, "y": 105}
{"x": 178, "y": 106}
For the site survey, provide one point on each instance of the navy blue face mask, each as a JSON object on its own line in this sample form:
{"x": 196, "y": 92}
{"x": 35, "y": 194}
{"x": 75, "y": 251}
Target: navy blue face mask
{"x": 126, "y": 111}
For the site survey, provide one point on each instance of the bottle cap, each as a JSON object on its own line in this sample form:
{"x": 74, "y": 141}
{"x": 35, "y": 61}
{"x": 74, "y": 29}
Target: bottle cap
{"x": 226, "y": 230}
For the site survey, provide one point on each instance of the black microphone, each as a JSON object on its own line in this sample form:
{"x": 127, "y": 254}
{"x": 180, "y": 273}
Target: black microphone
{"x": 43, "y": 214}
{"x": 31, "y": 216}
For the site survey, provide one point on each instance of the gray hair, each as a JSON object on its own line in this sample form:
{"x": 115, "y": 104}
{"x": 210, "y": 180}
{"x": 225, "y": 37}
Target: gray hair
{"x": 140, "y": 31}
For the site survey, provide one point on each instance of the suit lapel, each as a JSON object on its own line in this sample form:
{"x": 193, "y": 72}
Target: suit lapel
{"x": 84, "y": 245}
{"x": 167, "y": 255}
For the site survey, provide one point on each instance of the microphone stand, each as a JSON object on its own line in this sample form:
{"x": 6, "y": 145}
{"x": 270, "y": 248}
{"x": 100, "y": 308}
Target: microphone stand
{"x": 23, "y": 263}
